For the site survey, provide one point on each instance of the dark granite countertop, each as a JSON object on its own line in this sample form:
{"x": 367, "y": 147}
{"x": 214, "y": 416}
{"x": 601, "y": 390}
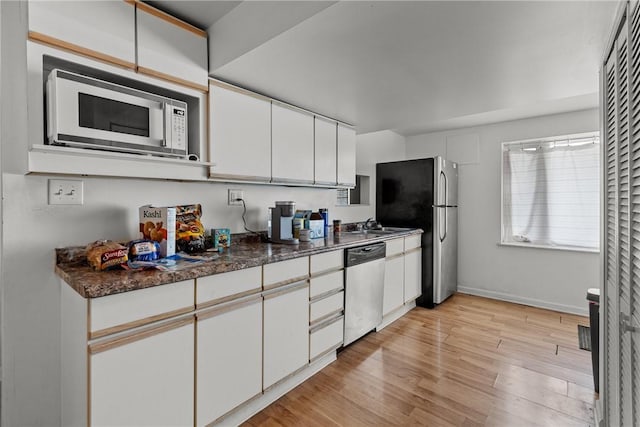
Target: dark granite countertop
{"x": 71, "y": 265}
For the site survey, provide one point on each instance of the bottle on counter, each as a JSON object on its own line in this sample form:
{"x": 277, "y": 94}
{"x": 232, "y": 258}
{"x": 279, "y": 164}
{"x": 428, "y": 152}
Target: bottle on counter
{"x": 337, "y": 226}
{"x": 325, "y": 215}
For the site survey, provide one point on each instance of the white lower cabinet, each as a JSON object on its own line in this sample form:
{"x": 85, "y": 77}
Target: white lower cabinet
{"x": 326, "y": 337}
{"x": 286, "y": 331}
{"x": 393, "y": 284}
{"x": 229, "y": 357}
{"x": 412, "y": 274}
{"x": 144, "y": 379}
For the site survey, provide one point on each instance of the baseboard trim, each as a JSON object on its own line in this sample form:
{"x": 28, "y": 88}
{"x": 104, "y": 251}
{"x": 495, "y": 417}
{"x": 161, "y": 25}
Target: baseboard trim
{"x": 598, "y": 413}
{"x": 581, "y": 311}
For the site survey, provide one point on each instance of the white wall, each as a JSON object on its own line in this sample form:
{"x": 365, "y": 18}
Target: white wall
{"x": 547, "y": 278}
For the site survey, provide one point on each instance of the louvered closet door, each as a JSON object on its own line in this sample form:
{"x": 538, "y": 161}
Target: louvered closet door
{"x": 631, "y": 313}
{"x": 621, "y": 296}
{"x": 610, "y": 294}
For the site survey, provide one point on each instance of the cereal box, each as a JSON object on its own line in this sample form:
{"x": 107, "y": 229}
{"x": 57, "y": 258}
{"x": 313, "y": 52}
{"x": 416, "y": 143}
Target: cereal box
{"x": 159, "y": 224}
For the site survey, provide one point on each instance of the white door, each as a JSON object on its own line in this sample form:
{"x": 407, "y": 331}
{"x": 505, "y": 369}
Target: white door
{"x": 286, "y": 331}
{"x": 291, "y": 145}
{"x": 229, "y": 357}
{"x": 412, "y": 274}
{"x": 239, "y": 134}
{"x": 620, "y": 300}
{"x": 346, "y": 156}
{"x": 393, "y": 295}
{"x": 325, "y": 149}
{"x": 100, "y": 29}
{"x": 145, "y": 379}
{"x": 170, "y": 48}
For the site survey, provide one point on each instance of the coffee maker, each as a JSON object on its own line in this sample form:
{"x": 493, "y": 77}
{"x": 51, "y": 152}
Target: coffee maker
{"x": 282, "y": 223}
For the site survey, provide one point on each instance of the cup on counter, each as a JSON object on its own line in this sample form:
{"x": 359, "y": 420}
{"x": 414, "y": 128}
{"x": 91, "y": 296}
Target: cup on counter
{"x": 305, "y": 235}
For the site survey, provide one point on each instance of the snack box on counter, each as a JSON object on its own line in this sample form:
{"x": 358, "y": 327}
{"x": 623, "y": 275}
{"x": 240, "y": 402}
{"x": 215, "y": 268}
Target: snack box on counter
{"x": 221, "y": 237}
{"x": 159, "y": 224}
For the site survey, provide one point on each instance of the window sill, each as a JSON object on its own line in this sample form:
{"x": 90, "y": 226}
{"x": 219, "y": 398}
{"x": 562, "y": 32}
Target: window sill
{"x": 556, "y": 248}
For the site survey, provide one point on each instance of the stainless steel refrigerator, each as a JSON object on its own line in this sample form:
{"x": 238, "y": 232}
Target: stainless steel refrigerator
{"x": 423, "y": 193}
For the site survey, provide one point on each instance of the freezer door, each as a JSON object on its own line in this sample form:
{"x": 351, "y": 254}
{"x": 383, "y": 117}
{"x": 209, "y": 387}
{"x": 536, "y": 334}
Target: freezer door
{"x": 445, "y": 253}
{"x": 446, "y": 182}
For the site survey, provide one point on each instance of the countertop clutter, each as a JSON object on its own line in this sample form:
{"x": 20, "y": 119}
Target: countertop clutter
{"x": 72, "y": 267}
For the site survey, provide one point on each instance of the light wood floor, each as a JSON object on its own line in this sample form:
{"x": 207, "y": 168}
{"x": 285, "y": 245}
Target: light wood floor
{"x": 470, "y": 362}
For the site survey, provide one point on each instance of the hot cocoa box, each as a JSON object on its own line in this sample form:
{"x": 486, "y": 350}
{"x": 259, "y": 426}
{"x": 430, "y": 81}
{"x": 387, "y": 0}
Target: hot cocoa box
{"x": 159, "y": 224}
{"x": 221, "y": 237}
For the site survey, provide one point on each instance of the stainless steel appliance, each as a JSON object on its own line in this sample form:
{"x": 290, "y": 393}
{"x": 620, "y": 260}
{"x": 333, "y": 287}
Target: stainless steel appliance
{"x": 282, "y": 222}
{"x": 364, "y": 284}
{"x": 90, "y": 113}
{"x": 423, "y": 193}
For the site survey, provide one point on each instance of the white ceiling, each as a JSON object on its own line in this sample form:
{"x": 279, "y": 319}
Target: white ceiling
{"x": 423, "y": 65}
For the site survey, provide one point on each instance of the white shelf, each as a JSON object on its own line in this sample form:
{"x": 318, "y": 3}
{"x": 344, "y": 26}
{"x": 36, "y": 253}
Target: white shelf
{"x": 77, "y": 161}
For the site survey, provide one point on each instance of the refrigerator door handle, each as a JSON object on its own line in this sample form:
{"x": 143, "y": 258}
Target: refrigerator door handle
{"x": 440, "y": 235}
{"x": 446, "y": 190}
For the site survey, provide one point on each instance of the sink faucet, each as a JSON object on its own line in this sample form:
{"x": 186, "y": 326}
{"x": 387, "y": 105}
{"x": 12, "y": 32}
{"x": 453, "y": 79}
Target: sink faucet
{"x": 369, "y": 224}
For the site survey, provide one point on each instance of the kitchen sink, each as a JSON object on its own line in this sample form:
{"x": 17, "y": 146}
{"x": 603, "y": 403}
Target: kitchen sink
{"x": 380, "y": 231}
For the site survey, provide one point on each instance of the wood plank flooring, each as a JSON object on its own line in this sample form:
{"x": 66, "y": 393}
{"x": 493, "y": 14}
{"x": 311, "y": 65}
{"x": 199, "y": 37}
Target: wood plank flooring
{"x": 470, "y": 362}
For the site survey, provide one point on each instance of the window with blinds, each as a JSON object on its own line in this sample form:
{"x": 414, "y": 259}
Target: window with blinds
{"x": 551, "y": 192}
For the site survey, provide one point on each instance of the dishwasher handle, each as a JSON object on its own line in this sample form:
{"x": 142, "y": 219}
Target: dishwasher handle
{"x": 362, "y": 254}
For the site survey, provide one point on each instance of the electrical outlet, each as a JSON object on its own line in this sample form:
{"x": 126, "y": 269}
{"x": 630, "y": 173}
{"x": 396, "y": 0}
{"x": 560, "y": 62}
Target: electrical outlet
{"x": 66, "y": 192}
{"x": 234, "y": 195}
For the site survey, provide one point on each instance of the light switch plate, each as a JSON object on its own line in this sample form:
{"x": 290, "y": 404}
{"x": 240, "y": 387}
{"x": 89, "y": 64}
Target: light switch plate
{"x": 233, "y": 195}
{"x": 66, "y": 192}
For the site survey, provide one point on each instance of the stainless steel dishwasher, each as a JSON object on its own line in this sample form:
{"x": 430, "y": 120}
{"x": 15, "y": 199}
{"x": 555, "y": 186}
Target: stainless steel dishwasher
{"x": 364, "y": 284}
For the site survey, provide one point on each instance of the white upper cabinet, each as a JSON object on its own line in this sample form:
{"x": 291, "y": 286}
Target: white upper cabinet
{"x": 346, "y": 156}
{"x": 170, "y": 48}
{"x": 99, "y": 29}
{"x": 325, "y": 151}
{"x": 239, "y": 134}
{"x": 291, "y": 145}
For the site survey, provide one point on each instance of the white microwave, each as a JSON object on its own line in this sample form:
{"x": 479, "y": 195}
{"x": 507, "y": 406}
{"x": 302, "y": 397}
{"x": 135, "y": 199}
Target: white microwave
{"x": 89, "y": 113}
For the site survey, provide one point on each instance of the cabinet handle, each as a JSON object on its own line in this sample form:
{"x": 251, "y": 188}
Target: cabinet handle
{"x": 139, "y": 335}
{"x": 285, "y": 282}
{"x": 410, "y": 251}
{"x": 327, "y": 294}
{"x": 326, "y": 323}
{"x": 285, "y": 289}
{"x": 229, "y": 306}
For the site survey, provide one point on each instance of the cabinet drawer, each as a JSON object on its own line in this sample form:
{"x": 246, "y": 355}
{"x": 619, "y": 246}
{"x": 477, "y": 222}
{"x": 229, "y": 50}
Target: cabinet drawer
{"x": 115, "y": 313}
{"x": 326, "y": 283}
{"x": 221, "y": 287}
{"x": 326, "y": 261}
{"x": 284, "y": 271}
{"x": 394, "y": 247}
{"x": 326, "y": 306}
{"x": 326, "y": 338}
{"x": 412, "y": 242}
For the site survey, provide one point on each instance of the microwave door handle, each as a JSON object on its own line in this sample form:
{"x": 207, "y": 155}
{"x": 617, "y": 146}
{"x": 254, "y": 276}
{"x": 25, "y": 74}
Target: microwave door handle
{"x": 164, "y": 124}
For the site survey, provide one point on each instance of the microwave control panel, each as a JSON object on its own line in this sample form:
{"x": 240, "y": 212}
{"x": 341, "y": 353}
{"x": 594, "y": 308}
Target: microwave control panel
{"x": 179, "y": 128}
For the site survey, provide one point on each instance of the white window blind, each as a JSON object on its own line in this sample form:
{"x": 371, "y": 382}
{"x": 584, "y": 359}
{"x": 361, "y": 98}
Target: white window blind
{"x": 551, "y": 192}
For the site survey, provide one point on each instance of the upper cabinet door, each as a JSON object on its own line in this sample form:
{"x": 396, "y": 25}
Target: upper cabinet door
{"x": 239, "y": 135}
{"x": 170, "y": 48}
{"x": 103, "y": 30}
{"x": 291, "y": 145}
{"x": 346, "y": 156}
{"x": 325, "y": 150}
